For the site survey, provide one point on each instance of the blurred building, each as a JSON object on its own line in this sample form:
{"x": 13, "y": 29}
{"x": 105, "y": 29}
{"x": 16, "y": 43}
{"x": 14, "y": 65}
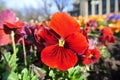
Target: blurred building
{"x": 93, "y": 7}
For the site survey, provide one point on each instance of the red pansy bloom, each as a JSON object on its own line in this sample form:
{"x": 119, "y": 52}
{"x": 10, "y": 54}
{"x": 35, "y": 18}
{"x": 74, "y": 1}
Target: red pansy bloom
{"x": 106, "y": 35}
{"x": 5, "y": 16}
{"x": 21, "y": 30}
{"x": 91, "y": 56}
{"x": 62, "y": 55}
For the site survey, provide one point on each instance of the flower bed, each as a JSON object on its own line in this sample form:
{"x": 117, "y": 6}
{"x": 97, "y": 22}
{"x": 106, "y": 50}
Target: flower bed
{"x": 64, "y": 48}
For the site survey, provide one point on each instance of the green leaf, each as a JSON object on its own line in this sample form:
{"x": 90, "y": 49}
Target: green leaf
{"x": 52, "y": 74}
{"x": 25, "y": 74}
{"x": 35, "y": 77}
{"x": 104, "y": 52}
{"x": 10, "y": 60}
{"x": 7, "y": 55}
{"x": 76, "y": 73}
{"x": 10, "y": 76}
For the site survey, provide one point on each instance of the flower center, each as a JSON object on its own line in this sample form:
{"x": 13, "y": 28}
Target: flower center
{"x": 61, "y": 42}
{"x": 91, "y": 56}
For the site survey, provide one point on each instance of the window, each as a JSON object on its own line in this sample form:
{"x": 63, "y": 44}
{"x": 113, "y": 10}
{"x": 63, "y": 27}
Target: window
{"x": 119, "y": 4}
{"x": 89, "y": 7}
{"x": 96, "y": 8}
{"x": 103, "y": 6}
{"x": 112, "y": 5}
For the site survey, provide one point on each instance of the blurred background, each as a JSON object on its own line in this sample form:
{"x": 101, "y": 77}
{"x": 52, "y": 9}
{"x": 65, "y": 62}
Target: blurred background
{"x": 42, "y": 9}
{"x": 86, "y": 12}
{"x": 36, "y": 9}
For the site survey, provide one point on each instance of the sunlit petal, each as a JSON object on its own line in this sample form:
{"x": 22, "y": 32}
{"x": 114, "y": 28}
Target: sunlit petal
{"x": 77, "y": 42}
{"x": 64, "y": 24}
{"x": 58, "y": 57}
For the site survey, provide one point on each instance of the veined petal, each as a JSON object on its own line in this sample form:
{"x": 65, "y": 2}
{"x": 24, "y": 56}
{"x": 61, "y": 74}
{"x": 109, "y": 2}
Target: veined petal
{"x": 47, "y": 35}
{"x": 64, "y": 24}
{"x": 58, "y": 57}
{"x": 77, "y": 42}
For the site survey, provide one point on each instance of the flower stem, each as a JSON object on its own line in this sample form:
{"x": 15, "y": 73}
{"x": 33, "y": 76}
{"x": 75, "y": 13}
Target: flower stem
{"x": 13, "y": 42}
{"x": 24, "y": 51}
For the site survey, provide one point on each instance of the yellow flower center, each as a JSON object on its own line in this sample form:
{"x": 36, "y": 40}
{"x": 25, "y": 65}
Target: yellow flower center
{"x": 90, "y": 56}
{"x": 61, "y": 42}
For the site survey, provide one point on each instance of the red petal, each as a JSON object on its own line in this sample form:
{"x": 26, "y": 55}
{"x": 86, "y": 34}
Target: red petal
{"x": 7, "y": 16}
{"x": 107, "y": 31}
{"x": 87, "y": 61}
{"x": 77, "y": 42}
{"x": 4, "y": 38}
{"x": 19, "y": 24}
{"x": 9, "y": 25}
{"x": 96, "y": 53}
{"x": 64, "y": 24}
{"x": 47, "y": 35}
{"x": 58, "y": 57}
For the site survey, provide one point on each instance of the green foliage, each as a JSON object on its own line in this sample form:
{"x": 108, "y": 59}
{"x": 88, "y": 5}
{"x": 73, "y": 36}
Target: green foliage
{"x": 10, "y": 76}
{"x": 78, "y": 73}
{"x": 104, "y": 52}
{"x": 9, "y": 69}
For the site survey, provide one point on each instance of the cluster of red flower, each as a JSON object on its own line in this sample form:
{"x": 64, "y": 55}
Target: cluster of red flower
{"x": 60, "y": 42}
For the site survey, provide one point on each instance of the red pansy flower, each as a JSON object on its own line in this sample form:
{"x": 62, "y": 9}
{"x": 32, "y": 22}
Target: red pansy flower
{"x": 21, "y": 30}
{"x": 106, "y": 36}
{"x": 62, "y": 55}
{"x": 18, "y": 27}
{"x": 91, "y": 56}
{"x": 5, "y": 16}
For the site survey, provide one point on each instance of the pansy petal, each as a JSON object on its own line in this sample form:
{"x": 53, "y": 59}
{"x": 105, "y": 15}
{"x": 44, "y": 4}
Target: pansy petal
{"x": 45, "y": 35}
{"x": 58, "y": 57}
{"x": 77, "y": 42}
{"x": 96, "y": 53}
{"x": 7, "y": 16}
{"x": 64, "y": 24}
{"x": 87, "y": 61}
{"x": 10, "y": 25}
{"x": 4, "y": 38}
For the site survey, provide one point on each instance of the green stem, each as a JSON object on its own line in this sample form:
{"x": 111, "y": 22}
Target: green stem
{"x": 24, "y": 51}
{"x": 13, "y": 42}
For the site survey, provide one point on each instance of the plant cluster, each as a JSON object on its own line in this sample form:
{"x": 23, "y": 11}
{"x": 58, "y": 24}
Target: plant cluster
{"x": 59, "y": 49}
